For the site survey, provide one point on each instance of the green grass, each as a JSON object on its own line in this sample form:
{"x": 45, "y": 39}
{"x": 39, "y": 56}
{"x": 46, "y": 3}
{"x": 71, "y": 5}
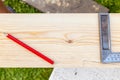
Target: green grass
{"x": 40, "y": 73}
{"x": 21, "y": 7}
{"x": 112, "y": 5}
{"x": 25, "y": 73}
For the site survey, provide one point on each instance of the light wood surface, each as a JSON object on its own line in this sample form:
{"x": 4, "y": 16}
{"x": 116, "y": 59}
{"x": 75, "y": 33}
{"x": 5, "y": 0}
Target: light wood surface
{"x": 71, "y": 40}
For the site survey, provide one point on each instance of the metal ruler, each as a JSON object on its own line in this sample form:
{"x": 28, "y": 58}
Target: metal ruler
{"x": 107, "y": 56}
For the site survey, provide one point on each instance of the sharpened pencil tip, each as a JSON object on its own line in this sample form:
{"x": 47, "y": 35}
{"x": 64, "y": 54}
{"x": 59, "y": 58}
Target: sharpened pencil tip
{"x": 5, "y": 33}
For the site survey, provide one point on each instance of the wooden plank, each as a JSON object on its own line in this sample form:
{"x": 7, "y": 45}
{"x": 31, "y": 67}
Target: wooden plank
{"x": 71, "y": 40}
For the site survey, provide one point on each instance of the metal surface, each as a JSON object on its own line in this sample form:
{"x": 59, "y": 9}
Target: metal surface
{"x": 107, "y": 56}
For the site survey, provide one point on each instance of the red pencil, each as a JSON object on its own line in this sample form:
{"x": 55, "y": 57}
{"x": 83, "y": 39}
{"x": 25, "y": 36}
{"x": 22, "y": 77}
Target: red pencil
{"x": 29, "y": 48}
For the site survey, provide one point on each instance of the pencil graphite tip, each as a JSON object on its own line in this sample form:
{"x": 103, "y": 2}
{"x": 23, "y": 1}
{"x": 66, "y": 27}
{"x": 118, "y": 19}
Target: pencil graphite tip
{"x": 5, "y": 33}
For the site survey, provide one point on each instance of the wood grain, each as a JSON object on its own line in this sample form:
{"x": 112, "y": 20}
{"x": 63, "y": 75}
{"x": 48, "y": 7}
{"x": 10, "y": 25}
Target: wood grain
{"x": 71, "y": 40}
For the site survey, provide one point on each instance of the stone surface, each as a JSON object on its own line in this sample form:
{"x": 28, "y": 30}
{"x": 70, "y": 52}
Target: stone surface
{"x": 85, "y": 74}
{"x": 67, "y": 6}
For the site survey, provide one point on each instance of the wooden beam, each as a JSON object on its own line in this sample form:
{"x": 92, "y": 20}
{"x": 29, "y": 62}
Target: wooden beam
{"x": 71, "y": 40}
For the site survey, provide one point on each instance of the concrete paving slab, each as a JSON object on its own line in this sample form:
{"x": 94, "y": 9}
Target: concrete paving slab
{"x": 85, "y": 74}
{"x": 67, "y": 6}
